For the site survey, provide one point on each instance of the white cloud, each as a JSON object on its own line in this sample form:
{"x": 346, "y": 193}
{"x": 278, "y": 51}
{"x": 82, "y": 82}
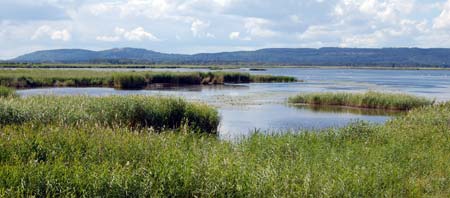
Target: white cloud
{"x": 53, "y": 34}
{"x": 137, "y": 34}
{"x": 257, "y": 27}
{"x": 234, "y": 35}
{"x": 63, "y": 35}
{"x": 108, "y": 38}
{"x": 237, "y": 36}
{"x": 443, "y": 20}
{"x": 318, "y": 32}
{"x": 198, "y": 27}
{"x": 223, "y": 3}
{"x": 295, "y": 18}
{"x": 209, "y": 35}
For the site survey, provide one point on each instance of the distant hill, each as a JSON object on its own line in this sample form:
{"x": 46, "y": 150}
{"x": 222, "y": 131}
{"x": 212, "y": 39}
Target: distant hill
{"x": 437, "y": 57}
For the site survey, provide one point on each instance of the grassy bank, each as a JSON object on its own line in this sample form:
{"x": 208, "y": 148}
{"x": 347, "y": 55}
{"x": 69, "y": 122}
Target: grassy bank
{"x": 407, "y": 157}
{"x": 7, "y": 92}
{"x": 125, "y": 80}
{"x": 370, "y": 99}
{"x": 133, "y": 111}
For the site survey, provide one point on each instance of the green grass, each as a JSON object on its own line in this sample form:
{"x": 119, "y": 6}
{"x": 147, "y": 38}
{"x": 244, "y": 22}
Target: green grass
{"x": 127, "y": 81}
{"x": 407, "y": 157}
{"x": 158, "y": 113}
{"x": 374, "y": 100}
{"x": 7, "y": 92}
{"x": 124, "y": 80}
{"x": 272, "y": 79}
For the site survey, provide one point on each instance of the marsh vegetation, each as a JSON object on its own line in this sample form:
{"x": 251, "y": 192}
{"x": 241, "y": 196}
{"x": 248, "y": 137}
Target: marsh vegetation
{"x": 7, "y": 92}
{"x": 125, "y": 80}
{"x": 407, "y": 157}
{"x": 158, "y": 113}
{"x": 140, "y": 146}
{"x": 372, "y": 100}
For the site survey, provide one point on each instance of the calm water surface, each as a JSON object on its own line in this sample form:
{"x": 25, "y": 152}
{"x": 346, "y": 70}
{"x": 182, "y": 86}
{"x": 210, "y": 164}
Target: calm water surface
{"x": 247, "y": 107}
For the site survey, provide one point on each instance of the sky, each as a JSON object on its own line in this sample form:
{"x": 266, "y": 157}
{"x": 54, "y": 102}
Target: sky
{"x": 194, "y": 26}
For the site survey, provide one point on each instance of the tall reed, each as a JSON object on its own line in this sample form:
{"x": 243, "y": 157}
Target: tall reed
{"x": 407, "y": 157}
{"x": 159, "y": 113}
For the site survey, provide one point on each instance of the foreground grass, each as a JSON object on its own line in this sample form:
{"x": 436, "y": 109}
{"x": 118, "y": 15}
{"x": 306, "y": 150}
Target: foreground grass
{"x": 125, "y": 80}
{"x": 373, "y": 100}
{"x": 407, "y": 157}
{"x": 158, "y": 113}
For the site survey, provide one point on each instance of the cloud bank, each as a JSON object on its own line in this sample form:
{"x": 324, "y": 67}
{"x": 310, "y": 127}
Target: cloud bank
{"x": 192, "y": 26}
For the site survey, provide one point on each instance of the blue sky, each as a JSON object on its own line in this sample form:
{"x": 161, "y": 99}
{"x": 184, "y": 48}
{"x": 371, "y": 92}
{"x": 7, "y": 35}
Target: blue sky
{"x": 193, "y": 26}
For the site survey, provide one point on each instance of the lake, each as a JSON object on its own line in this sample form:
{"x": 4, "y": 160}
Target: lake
{"x": 245, "y": 108}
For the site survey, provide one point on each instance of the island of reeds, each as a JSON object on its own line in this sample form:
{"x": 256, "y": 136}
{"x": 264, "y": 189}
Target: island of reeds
{"x": 126, "y": 80}
{"x": 371, "y": 99}
{"x": 158, "y": 113}
{"x": 137, "y": 146}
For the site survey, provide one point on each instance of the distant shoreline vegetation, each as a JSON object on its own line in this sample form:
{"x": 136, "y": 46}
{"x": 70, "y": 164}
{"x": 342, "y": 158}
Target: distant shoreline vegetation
{"x": 210, "y": 66}
{"x": 126, "y": 80}
{"x": 370, "y": 100}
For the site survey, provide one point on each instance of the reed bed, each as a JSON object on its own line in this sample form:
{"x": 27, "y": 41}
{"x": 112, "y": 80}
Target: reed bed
{"x": 7, "y": 92}
{"x": 373, "y": 100}
{"x": 407, "y": 157}
{"x": 158, "y": 113}
{"x": 124, "y": 80}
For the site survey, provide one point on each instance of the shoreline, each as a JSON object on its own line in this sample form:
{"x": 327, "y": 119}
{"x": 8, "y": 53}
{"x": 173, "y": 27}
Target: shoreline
{"x": 210, "y": 67}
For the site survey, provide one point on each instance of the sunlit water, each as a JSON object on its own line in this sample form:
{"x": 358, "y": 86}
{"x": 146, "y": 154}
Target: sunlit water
{"x": 249, "y": 107}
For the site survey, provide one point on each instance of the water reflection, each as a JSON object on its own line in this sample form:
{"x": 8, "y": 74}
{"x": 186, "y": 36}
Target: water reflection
{"x": 195, "y": 88}
{"x": 239, "y": 122}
